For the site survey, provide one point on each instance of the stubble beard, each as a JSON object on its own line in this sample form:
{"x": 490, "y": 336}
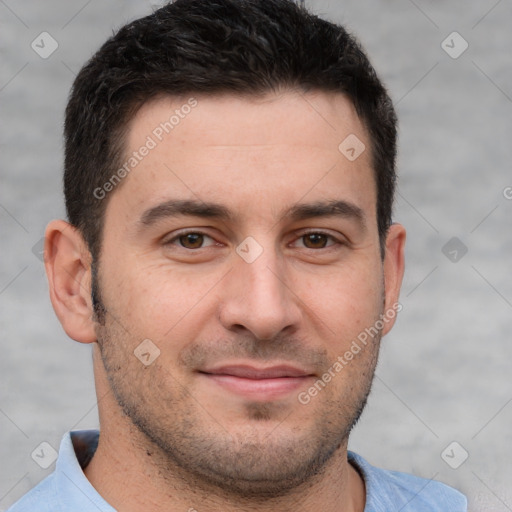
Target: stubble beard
{"x": 251, "y": 463}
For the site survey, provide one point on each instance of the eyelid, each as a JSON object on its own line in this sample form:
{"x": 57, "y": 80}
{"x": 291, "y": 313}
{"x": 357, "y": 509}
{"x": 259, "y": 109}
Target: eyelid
{"x": 188, "y": 231}
{"x": 338, "y": 240}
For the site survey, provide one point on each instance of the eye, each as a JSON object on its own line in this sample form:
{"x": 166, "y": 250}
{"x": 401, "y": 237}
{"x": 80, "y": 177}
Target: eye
{"x": 191, "y": 240}
{"x": 318, "y": 240}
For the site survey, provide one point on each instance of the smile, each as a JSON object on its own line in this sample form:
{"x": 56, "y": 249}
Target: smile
{"x": 258, "y": 383}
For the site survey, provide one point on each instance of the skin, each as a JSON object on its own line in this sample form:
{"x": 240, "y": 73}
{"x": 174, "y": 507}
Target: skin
{"x": 182, "y": 439}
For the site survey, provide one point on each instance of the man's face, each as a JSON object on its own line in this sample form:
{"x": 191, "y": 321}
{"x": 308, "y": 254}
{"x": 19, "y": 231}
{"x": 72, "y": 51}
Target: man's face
{"x": 252, "y": 294}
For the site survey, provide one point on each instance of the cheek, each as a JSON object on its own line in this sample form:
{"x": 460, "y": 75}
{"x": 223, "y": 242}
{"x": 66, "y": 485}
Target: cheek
{"x": 345, "y": 300}
{"x": 157, "y": 301}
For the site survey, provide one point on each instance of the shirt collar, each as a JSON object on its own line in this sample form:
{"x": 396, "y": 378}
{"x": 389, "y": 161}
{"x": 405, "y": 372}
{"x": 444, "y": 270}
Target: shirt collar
{"x": 73, "y": 487}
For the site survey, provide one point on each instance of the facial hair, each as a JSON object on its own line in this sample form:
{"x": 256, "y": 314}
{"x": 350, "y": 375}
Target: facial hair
{"x": 249, "y": 462}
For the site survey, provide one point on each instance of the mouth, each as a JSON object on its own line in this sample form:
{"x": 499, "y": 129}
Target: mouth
{"x": 260, "y": 384}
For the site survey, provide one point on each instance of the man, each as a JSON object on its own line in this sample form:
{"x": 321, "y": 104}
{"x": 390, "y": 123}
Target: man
{"x": 230, "y": 255}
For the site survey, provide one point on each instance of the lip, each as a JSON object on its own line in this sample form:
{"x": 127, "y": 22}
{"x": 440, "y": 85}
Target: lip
{"x": 261, "y": 384}
{"x": 251, "y": 372}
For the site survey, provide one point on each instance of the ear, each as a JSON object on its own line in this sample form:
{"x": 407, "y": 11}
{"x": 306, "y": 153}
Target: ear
{"x": 394, "y": 266}
{"x": 68, "y": 268}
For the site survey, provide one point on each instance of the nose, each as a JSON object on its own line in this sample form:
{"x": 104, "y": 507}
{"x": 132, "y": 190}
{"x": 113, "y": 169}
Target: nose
{"x": 259, "y": 298}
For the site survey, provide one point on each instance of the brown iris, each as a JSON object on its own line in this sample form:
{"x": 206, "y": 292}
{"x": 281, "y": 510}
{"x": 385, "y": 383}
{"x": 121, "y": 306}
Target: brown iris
{"x": 315, "y": 240}
{"x": 192, "y": 240}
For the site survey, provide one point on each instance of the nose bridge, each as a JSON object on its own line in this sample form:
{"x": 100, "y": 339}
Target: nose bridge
{"x": 258, "y": 297}
{"x": 264, "y": 278}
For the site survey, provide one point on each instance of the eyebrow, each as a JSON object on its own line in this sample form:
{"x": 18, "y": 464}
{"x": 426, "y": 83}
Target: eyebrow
{"x": 185, "y": 207}
{"x": 209, "y": 210}
{"x": 333, "y": 208}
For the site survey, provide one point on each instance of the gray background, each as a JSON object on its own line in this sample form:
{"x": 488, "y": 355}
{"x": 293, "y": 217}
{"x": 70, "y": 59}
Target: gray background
{"x": 445, "y": 370}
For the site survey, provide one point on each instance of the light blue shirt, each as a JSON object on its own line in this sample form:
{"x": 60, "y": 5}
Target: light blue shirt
{"x": 68, "y": 490}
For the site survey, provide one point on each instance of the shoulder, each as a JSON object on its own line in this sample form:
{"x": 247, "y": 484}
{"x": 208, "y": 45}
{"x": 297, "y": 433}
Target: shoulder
{"x": 41, "y": 498}
{"x": 387, "y": 490}
{"x": 67, "y": 488}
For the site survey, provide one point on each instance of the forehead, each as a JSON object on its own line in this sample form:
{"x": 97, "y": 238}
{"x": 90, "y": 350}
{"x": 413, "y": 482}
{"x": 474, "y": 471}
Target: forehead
{"x": 248, "y": 153}
{"x": 311, "y": 119}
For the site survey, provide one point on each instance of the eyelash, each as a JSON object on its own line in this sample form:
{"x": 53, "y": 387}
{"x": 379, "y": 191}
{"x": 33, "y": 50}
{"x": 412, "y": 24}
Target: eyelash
{"x": 336, "y": 242}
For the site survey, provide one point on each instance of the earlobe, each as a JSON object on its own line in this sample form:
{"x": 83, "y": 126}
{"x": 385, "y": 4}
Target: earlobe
{"x": 394, "y": 266}
{"x": 68, "y": 268}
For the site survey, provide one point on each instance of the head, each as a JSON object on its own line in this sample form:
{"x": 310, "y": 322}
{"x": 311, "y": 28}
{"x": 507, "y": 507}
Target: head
{"x": 218, "y": 226}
